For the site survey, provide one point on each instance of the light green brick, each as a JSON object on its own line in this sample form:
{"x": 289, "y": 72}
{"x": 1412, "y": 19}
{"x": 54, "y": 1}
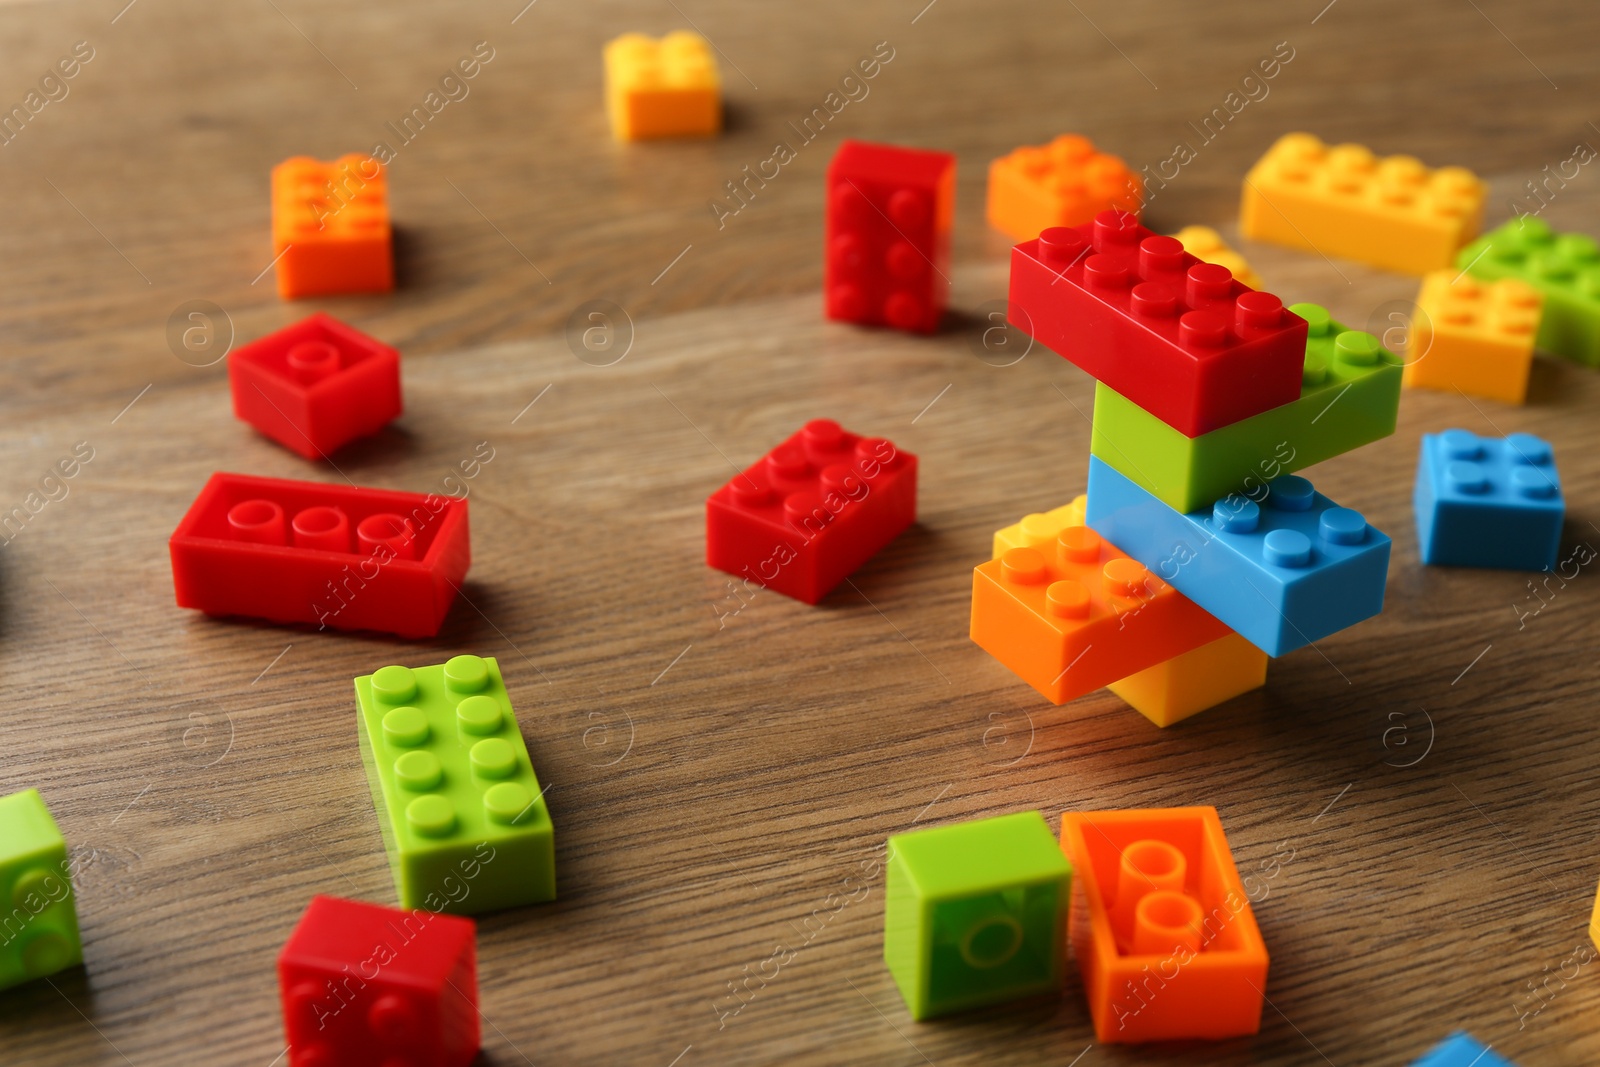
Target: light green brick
{"x": 975, "y": 913}
{"x": 1564, "y": 267}
{"x": 463, "y": 817}
{"x": 1349, "y": 397}
{"x": 39, "y": 925}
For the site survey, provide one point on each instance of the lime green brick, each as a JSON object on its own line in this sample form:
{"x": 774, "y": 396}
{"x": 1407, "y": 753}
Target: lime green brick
{"x": 39, "y": 925}
{"x": 1349, "y": 397}
{"x": 975, "y": 913}
{"x": 463, "y": 817}
{"x": 1564, "y": 267}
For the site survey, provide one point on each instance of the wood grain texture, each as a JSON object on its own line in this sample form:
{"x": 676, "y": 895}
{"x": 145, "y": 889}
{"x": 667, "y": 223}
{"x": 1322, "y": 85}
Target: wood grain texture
{"x": 720, "y": 784}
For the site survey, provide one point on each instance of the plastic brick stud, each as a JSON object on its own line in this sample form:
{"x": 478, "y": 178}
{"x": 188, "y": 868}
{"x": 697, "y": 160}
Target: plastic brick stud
{"x": 662, "y": 88}
{"x": 1075, "y": 614}
{"x": 330, "y": 227}
{"x": 1182, "y": 339}
{"x": 887, "y": 255}
{"x": 368, "y": 986}
{"x": 1282, "y": 571}
{"x": 1473, "y": 336}
{"x": 1488, "y": 502}
{"x": 316, "y": 386}
{"x": 338, "y": 556}
{"x": 1161, "y": 926}
{"x": 812, "y": 511}
{"x": 1565, "y": 268}
{"x": 1207, "y": 244}
{"x": 973, "y": 913}
{"x": 1349, "y": 397}
{"x": 1460, "y": 1050}
{"x": 39, "y": 935}
{"x": 1039, "y": 529}
{"x": 1391, "y": 213}
{"x": 1196, "y": 681}
{"x": 463, "y": 817}
{"x": 1063, "y": 183}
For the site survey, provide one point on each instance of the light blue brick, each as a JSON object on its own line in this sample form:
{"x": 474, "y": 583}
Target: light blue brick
{"x": 1282, "y": 572}
{"x": 1459, "y": 1050}
{"x": 1488, "y": 502}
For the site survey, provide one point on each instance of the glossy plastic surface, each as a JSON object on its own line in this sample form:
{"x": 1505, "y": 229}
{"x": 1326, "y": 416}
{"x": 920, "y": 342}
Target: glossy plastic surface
{"x": 1563, "y": 267}
{"x": 1488, "y": 502}
{"x": 1282, "y": 572}
{"x": 1076, "y": 614}
{"x": 39, "y": 935}
{"x": 1473, "y": 336}
{"x": 1349, "y": 397}
{"x": 886, "y": 259}
{"x": 666, "y": 87}
{"x": 1196, "y": 681}
{"x": 974, "y": 913}
{"x": 1064, "y": 183}
{"x": 1161, "y": 926}
{"x": 332, "y": 555}
{"x": 1342, "y": 201}
{"x": 330, "y": 227}
{"x": 812, "y": 511}
{"x": 368, "y": 986}
{"x": 316, "y": 386}
{"x": 463, "y": 816}
{"x": 1180, "y": 338}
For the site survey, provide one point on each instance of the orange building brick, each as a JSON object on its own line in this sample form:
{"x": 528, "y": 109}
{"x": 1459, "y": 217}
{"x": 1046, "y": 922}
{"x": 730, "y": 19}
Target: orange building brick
{"x": 1161, "y": 926}
{"x": 1064, "y": 183}
{"x": 1195, "y": 681}
{"x": 1207, "y": 244}
{"x": 1473, "y": 335}
{"x": 662, "y": 88}
{"x": 1392, "y": 213}
{"x": 330, "y": 227}
{"x": 1076, "y": 614}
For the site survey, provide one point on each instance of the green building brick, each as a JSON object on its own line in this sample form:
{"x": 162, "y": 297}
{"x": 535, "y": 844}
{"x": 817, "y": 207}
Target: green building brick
{"x": 463, "y": 817}
{"x": 1564, "y": 267}
{"x": 975, "y": 913}
{"x": 1349, "y": 397}
{"x": 39, "y": 925}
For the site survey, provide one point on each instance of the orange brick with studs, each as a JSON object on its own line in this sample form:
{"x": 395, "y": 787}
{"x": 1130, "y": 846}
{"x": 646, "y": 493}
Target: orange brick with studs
{"x": 330, "y": 227}
{"x": 1064, "y": 183}
{"x": 1075, "y": 614}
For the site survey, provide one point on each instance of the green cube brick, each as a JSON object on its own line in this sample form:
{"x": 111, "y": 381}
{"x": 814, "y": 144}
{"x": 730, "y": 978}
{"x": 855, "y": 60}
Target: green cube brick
{"x": 1349, "y": 397}
{"x": 975, "y": 913}
{"x": 1564, "y": 267}
{"x": 39, "y": 924}
{"x": 463, "y": 817}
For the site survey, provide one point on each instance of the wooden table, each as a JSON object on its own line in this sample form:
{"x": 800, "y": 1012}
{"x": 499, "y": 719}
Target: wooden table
{"x": 717, "y": 777}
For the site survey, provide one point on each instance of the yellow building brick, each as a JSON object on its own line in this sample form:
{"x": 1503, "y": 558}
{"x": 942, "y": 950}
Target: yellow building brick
{"x": 1189, "y": 684}
{"x": 1342, "y": 201}
{"x": 1039, "y": 529}
{"x": 662, "y": 88}
{"x": 1473, "y": 335}
{"x": 1207, "y": 244}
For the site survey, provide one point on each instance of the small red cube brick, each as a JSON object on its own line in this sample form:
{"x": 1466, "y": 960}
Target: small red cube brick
{"x": 368, "y": 986}
{"x": 888, "y": 235}
{"x": 1182, "y": 339}
{"x": 812, "y": 511}
{"x": 316, "y": 386}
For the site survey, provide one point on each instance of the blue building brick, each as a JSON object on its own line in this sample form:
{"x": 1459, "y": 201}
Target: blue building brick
{"x": 1459, "y": 1050}
{"x": 1282, "y": 572}
{"x": 1487, "y": 502}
